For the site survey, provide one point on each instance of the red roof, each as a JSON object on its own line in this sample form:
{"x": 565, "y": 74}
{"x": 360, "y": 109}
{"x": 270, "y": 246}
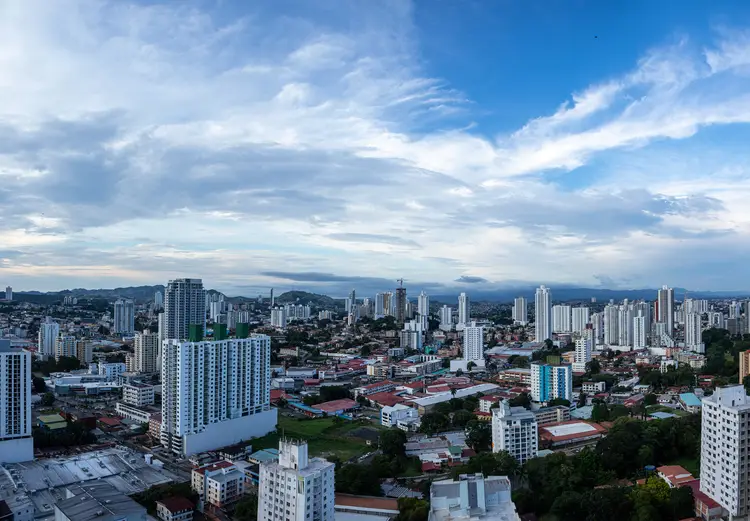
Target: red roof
{"x": 377, "y": 385}
{"x": 336, "y": 405}
{"x": 176, "y": 504}
{"x": 492, "y": 399}
{"x": 311, "y": 381}
{"x": 277, "y": 393}
{"x": 428, "y": 466}
{"x": 413, "y": 385}
{"x": 701, "y": 496}
{"x": 214, "y": 466}
{"x": 386, "y": 399}
{"x": 112, "y": 422}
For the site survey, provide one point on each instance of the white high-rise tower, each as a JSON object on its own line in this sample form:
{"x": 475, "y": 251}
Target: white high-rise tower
{"x": 184, "y": 305}
{"x": 520, "y": 311}
{"x": 16, "y": 444}
{"x": 159, "y": 299}
{"x": 543, "y": 314}
{"x": 124, "y": 317}
{"x": 474, "y": 343}
{"x": 147, "y": 352}
{"x": 694, "y": 332}
{"x": 423, "y": 304}
{"x": 464, "y": 307}
{"x": 48, "y": 331}
{"x": 665, "y": 308}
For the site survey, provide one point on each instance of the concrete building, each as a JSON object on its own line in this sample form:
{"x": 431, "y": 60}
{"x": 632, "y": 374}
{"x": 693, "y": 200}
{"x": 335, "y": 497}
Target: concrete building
{"x": 744, "y": 364}
{"x": 147, "y": 352}
{"x": 138, "y": 394}
{"x": 515, "y": 430}
{"x": 693, "y": 332}
{"x": 8, "y": 293}
{"x": 725, "y": 442}
{"x": 474, "y": 343}
{"x": 521, "y": 311}
{"x": 543, "y": 314}
{"x": 215, "y": 393}
{"x": 124, "y": 317}
{"x": 561, "y": 319}
{"x": 158, "y": 300}
{"x": 84, "y": 351}
{"x": 391, "y": 416}
{"x": 65, "y": 345}
{"x": 611, "y": 324}
{"x": 278, "y": 317}
{"x": 464, "y": 310}
{"x": 472, "y": 497}
{"x": 184, "y": 306}
{"x": 423, "y": 304}
{"x": 311, "y": 497}
{"x": 98, "y": 501}
{"x": 48, "y": 333}
{"x": 16, "y": 444}
{"x": 550, "y": 381}
{"x": 582, "y": 354}
{"x": 665, "y": 308}
{"x": 640, "y": 332}
{"x": 174, "y": 509}
{"x": 446, "y": 318}
{"x": 580, "y": 319}
{"x": 220, "y": 484}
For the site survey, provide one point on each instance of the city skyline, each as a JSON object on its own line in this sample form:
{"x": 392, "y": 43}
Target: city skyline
{"x": 595, "y": 158}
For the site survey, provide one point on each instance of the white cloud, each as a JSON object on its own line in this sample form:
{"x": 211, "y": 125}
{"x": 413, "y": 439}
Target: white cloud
{"x": 159, "y": 138}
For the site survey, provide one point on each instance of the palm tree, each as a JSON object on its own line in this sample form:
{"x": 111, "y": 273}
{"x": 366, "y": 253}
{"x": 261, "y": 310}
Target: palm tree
{"x": 453, "y": 391}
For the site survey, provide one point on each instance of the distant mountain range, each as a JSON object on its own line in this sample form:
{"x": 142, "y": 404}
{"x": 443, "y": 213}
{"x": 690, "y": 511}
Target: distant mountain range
{"x": 145, "y": 293}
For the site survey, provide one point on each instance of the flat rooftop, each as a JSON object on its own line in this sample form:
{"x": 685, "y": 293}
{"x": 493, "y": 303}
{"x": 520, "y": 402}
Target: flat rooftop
{"x": 571, "y": 428}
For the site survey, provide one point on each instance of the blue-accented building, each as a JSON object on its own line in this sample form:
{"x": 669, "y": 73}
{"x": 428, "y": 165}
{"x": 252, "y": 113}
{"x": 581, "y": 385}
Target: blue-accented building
{"x": 550, "y": 381}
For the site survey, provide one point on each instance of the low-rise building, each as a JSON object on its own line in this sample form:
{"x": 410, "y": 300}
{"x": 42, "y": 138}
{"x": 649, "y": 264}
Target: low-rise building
{"x": 174, "y": 509}
{"x": 593, "y": 387}
{"x": 138, "y": 414}
{"x": 138, "y": 394}
{"x": 690, "y": 402}
{"x": 487, "y": 402}
{"x": 556, "y": 414}
{"x": 378, "y": 387}
{"x": 98, "y": 501}
{"x": 515, "y": 430}
{"x": 391, "y": 416}
{"x": 570, "y": 435}
{"x": 154, "y": 426}
{"x": 472, "y": 497}
{"x": 674, "y": 475}
{"x": 219, "y": 484}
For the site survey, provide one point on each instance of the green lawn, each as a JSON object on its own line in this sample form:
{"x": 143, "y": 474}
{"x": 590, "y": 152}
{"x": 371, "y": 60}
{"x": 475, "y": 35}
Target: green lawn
{"x": 325, "y": 437}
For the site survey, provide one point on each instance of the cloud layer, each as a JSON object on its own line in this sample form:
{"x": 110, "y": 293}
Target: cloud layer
{"x": 309, "y": 149}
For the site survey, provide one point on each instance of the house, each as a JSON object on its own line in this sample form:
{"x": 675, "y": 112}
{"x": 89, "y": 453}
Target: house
{"x": 174, "y": 509}
{"x": 634, "y": 401}
{"x": 391, "y": 416}
{"x": 706, "y": 508}
{"x": 486, "y": 403}
{"x": 690, "y": 402}
{"x": 594, "y": 387}
{"x": 674, "y": 475}
{"x": 337, "y": 407}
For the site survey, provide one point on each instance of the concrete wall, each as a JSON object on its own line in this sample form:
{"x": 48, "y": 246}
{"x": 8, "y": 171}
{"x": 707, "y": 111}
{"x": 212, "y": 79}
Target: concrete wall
{"x": 222, "y": 434}
{"x": 17, "y": 450}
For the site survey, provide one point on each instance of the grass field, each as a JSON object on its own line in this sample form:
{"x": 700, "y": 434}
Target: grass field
{"x": 325, "y": 436}
{"x": 663, "y": 408}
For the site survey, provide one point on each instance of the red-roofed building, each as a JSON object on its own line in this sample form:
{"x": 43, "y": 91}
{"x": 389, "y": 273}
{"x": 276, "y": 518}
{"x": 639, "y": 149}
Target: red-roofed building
{"x": 705, "y": 508}
{"x": 429, "y": 466}
{"x": 278, "y": 394}
{"x": 570, "y": 434}
{"x": 386, "y": 399}
{"x": 483, "y": 416}
{"x": 337, "y": 406}
{"x": 109, "y": 423}
{"x": 378, "y": 387}
{"x": 174, "y": 509}
{"x": 486, "y": 403}
{"x": 674, "y": 475}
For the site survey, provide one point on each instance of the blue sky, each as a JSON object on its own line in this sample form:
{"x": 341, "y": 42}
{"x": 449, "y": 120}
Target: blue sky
{"x": 324, "y": 144}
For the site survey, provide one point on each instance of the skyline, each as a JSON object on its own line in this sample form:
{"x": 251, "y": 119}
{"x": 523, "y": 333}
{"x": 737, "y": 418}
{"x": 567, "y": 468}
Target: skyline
{"x": 301, "y": 144}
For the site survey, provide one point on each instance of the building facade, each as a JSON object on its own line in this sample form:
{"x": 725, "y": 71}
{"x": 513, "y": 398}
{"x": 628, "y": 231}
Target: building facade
{"x": 543, "y": 314}
{"x": 184, "y": 306}
{"x": 515, "y": 430}
{"x": 124, "y": 317}
{"x": 147, "y": 352}
{"x": 48, "y": 333}
{"x": 138, "y": 394}
{"x": 550, "y": 381}
{"x": 521, "y": 311}
{"x": 215, "y": 393}
{"x": 16, "y": 443}
{"x": 665, "y": 308}
{"x": 464, "y": 309}
{"x": 296, "y": 488}
{"x": 473, "y": 343}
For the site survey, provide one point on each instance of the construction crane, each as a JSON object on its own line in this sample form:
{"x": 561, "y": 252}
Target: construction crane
{"x": 400, "y": 283}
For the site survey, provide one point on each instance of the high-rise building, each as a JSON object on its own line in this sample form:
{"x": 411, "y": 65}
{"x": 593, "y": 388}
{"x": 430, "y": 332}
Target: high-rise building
{"x": 351, "y": 301}
{"x": 423, "y": 304}
{"x": 446, "y": 318}
{"x": 744, "y": 365}
{"x": 8, "y": 293}
{"x": 65, "y": 345}
{"x": 273, "y": 299}
{"x": 184, "y": 306}
{"x": 543, "y": 314}
{"x": 515, "y": 430}
{"x": 597, "y": 322}
{"x": 694, "y": 332}
{"x": 550, "y": 381}
{"x": 611, "y": 324}
{"x": 147, "y": 352}
{"x": 278, "y": 317}
{"x": 400, "y": 313}
{"x": 472, "y": 496}
{"x": 48, "y": 332}
{"x": 561, "y": 319}
{"x": 582, "y": 354}
{"x": 311, "y": 498}
{"x": 640, "y": 332}
{"x": 520, "y": 311}
{"x": 580, "y": 319}
{"x": 665, "y": 308}
{"x": 215, "y": 393}
{"x": 473, "y": 342}
{"x": 124, "y": 317}
{"x": 464, "y": 310}
{"x": 158, "y": 299}
{"x": 625, "y": 325}
{"x": 725, "y": 443}
{"x": 16, "y": 443}
{"x": 84, "y": 351}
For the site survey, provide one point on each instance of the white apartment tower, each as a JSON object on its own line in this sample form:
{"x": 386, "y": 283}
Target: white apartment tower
{"x": 124, "y": 317}
{"x": 423, "y": 304}
{"x": 158, "y": 299}
{"x": 215, "y": 393}
{"x": 184, "y": 305}
{"x": 8, "y": 293}
{"x": 725, "y": 444}
{"x": 297, "y": 487}
{"x": 147, "y": 352}
{"x": 48, "y": 332}
{"x": 694, "y": 332}
{"x": 543, "y": 318}
{"x": 278, "y": 317}
{"x": 625, "y": 325}
{"x": 580, "y": 319}
{"x": 473, "y": 342}
{"x": 561, "y": 322}
{"x": 611, "y": 324}
{"x": 515, "y": 430}
{"x": 665, "y": 308}
{"x": 640, "y": 332}
{"x": 16, "y": 443}
{"x": 582, "y": 354}
{"x": 65, "y": 345}
{"x": 521, "y": 311}
{"x": 464, "y": 310}
{"x": 446, "y": 318}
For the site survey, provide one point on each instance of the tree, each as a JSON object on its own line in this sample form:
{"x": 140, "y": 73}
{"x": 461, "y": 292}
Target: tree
{"x": 392, "y": 443}
{"x": 522, "y": 400}
{"x": 412, "y": 509}
{"x": 650, "y": 399}
{"x": 548, "y": 344}
{"x": 593, "y": 367}
{"x": 600, "y": 412}
{"x": 433, "y": 422}
{"x": 462, "y": 418}
{"x": 39, "y": 385}
{"x": 582, "y": 398}
{"x": 470, "y": 366}
{"x": 357, "y": 479}
{"x": 365, "y": 351}
{"x": 558, "y": 401}
{"x": 459, "y": 372}
{"x": 247, "y": 508}
{"x": 746, "y": 383}
{"x": 479, "y": 435}
{"x": 48, "y": 399}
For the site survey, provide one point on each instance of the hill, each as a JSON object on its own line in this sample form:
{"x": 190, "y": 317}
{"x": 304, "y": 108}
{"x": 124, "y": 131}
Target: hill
{"x": 303, "y": 297}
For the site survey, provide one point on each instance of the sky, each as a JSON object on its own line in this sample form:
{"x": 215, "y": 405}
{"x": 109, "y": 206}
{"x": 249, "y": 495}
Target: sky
{"x": 333, "y": 144}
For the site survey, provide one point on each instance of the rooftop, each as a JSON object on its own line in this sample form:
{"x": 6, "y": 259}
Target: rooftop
{"x": 176, "y": 504}
{"x": 570, "y": 430}
{"x": 366, "y": 502}
{"x": 337, "y": 405}
{"x": 98, "y": 501}
{"x": 690, "y": 400}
